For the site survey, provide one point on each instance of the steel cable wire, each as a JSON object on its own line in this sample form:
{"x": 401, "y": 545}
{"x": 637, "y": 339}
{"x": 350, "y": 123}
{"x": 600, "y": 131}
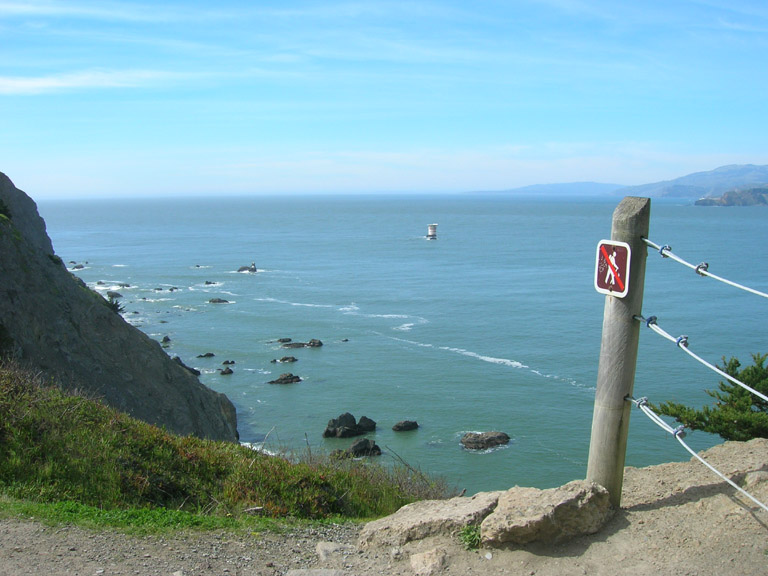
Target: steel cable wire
{"x": 682, "y": 343}
{"x": 679, "y": 434}
{"x": 700, "y": 269}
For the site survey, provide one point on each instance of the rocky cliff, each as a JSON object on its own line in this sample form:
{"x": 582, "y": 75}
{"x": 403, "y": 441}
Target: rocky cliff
{"x": 51, "y": 321}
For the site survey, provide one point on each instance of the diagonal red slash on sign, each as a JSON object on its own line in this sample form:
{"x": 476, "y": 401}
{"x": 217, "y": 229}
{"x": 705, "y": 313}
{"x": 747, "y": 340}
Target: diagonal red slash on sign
{"x": 613, "y": 269}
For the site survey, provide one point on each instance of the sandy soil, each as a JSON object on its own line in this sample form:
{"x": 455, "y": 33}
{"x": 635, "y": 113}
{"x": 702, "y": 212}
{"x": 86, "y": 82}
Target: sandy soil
{"x": 675, "y": 519}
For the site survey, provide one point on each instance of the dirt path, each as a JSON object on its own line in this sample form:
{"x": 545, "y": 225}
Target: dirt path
{"x": 676, "y": 519}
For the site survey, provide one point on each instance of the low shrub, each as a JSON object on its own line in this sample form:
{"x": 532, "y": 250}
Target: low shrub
{"x": 60, "y": 447}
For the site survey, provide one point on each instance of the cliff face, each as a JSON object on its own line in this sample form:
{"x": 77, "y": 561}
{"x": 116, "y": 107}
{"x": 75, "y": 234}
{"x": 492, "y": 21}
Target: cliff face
{"x": 51, "y": 321}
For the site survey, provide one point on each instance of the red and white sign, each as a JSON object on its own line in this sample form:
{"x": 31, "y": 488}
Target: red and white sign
{"x": 612, "y": 268}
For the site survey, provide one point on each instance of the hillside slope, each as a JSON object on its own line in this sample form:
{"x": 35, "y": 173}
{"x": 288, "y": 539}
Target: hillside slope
{"x": 702, "y": 184}
{"x": 51, "y": 321}
{"x": 675, "y": 518}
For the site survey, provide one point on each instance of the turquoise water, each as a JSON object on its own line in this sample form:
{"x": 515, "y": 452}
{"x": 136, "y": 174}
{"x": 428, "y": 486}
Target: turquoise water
{"x": 493, "y": 326}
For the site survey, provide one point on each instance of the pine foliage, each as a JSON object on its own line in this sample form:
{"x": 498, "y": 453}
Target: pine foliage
{"x": 737, "y": 414}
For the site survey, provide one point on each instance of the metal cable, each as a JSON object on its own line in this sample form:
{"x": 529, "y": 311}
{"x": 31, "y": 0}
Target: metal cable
{"x": 682, "y": 343}
{"x": 700, "y": 269}
{"x": 679, "y": 434}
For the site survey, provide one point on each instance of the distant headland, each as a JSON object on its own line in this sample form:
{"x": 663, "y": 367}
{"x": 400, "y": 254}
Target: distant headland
{"x": 699, "y": 185}
{"x": 751, "y": 197}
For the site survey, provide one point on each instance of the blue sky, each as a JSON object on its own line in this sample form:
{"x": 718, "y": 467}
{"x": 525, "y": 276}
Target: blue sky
{"x": 115, "y": 98}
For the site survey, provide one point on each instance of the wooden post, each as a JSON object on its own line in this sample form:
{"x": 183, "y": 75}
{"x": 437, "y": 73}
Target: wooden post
{"x": 618, "y": 354}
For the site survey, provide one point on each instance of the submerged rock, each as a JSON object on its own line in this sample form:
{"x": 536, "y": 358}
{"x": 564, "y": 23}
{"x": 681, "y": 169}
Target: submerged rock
{"x": 286, "y": 378}
{"x": 285, "y": 360}
{"x": 314, "y": 343}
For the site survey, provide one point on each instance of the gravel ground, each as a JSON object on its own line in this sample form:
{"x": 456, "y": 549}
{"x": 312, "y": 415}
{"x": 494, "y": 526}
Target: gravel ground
{"x": 675, "y": 519}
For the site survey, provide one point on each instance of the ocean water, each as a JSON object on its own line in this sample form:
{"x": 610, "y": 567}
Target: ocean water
{"x": 493, "y": 326}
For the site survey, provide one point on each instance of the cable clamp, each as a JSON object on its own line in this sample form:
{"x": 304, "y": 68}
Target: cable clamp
{"x": 679, "y": 432}
{"x": 701, "y": 268}
{"x": 682, "y": 341}
{"x": 666, "y": 247}
{"x": 640, "y": 402}
{"x": 650, "y": 320}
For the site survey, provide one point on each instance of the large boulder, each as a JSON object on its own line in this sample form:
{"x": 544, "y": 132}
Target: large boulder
{"x": 428, "y": 518}
{"x": 514, "y": 517}
{"x": 525, "y": 515}
{"x": 51, "y": 321}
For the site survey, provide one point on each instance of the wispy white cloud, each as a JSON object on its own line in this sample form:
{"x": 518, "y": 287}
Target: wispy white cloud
{"x": 114, "y": 11}
{"x": 84, "y": 79}
{"x": 102, "y": 11}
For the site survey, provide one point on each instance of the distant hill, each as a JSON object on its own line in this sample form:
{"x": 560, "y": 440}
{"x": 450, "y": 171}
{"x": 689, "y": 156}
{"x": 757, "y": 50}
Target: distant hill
{"x": 703, "y": 184}
{"x": 749, "y": 197}
{"x": 566, "y": 189}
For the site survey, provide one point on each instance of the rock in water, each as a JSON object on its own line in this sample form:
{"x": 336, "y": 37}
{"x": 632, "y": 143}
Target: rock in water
{"x": 345, "y": 426}
{"x": 50, "y": 320}
{"x": 286, "y": 378}
{"x": 405, "y": 426}
{"x": 484, "y": 440}
{"x": 364, "y": 447}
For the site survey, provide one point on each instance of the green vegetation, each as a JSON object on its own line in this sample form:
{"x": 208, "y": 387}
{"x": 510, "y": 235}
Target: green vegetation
{"x": 470, "y": 537}
{"x": 737, "y": 414}
{"x": 4, "y": 210}
{"x": 72, "y": 457}
{"x": 115, "y": 305}
{"x": 56, "y": 259}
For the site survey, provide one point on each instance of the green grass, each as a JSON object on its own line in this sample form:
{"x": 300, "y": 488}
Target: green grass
{"x": 72, "y": 457}
{"x": 470, "y": 537}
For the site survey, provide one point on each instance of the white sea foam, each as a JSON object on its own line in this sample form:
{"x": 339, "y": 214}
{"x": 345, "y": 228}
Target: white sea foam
{"x": 493, "y": 360}
{"x": 206, "y": 287}
{"x": 289, "y": 303}
{"x": 257, "y": 370}
{"x": 490, "y": 359}
{"x": 412, "y": 342}
{"x": 260, "y": 447}
{"x": 307, "y": 305}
